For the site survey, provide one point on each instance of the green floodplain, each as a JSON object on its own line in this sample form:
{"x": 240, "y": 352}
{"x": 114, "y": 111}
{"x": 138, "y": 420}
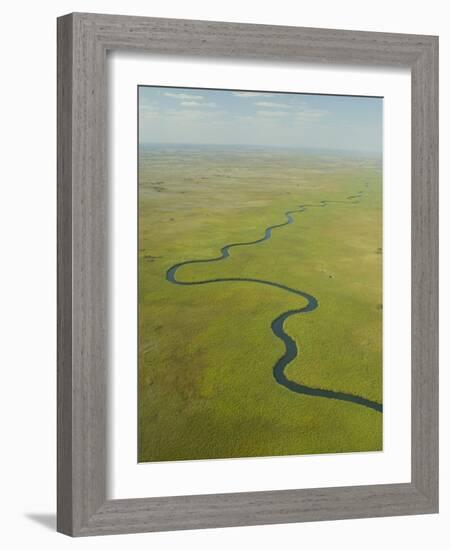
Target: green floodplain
{"x": 207, "y": 352}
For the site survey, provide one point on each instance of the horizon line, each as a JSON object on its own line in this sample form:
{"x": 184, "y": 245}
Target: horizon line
{"x": 267, "y": 146}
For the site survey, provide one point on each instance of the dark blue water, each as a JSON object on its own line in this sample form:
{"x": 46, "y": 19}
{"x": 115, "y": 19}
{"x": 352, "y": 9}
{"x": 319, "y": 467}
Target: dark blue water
{"x": 277, "y": 325}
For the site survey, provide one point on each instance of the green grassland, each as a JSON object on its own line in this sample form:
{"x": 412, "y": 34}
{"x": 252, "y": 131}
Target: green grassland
{"x": 206, "y": 353}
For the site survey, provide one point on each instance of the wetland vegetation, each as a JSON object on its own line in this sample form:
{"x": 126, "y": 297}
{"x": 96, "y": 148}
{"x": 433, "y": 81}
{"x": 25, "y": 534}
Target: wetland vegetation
{"x": 260, "y": 280}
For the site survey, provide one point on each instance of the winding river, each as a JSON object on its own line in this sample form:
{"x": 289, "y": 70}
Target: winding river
{"x": 277, "y": 325}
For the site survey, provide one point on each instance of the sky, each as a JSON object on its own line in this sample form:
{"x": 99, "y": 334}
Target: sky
{"x": 225, "y": 117}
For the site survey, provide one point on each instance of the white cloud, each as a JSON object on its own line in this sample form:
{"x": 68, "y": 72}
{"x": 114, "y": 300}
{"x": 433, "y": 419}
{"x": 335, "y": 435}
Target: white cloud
{"x": 311, "y": 113}
{"x": 198, "y": 104}
{"x": 272, "y": 104}
{"x": 251, "y": 94}
{"x": 180, "y": 95}
{"x": 194, "y": 113}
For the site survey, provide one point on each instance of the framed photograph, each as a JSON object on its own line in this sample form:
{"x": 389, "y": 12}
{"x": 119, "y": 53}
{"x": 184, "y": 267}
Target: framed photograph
{"x": 247, "y": 274}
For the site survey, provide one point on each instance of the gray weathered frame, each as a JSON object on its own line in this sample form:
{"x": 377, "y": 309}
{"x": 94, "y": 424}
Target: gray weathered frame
{"x": 83, "y": 40}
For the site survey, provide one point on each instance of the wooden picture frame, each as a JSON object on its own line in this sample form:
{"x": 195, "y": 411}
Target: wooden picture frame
{"x": 83, "y": 41}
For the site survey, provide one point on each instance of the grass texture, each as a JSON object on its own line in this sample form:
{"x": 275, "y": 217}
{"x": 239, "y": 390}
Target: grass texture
{"x": 206, "y": 353}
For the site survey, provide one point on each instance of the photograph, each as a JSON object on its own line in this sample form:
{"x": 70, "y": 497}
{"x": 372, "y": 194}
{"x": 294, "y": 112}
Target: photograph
{"x": 260, "y": 270}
